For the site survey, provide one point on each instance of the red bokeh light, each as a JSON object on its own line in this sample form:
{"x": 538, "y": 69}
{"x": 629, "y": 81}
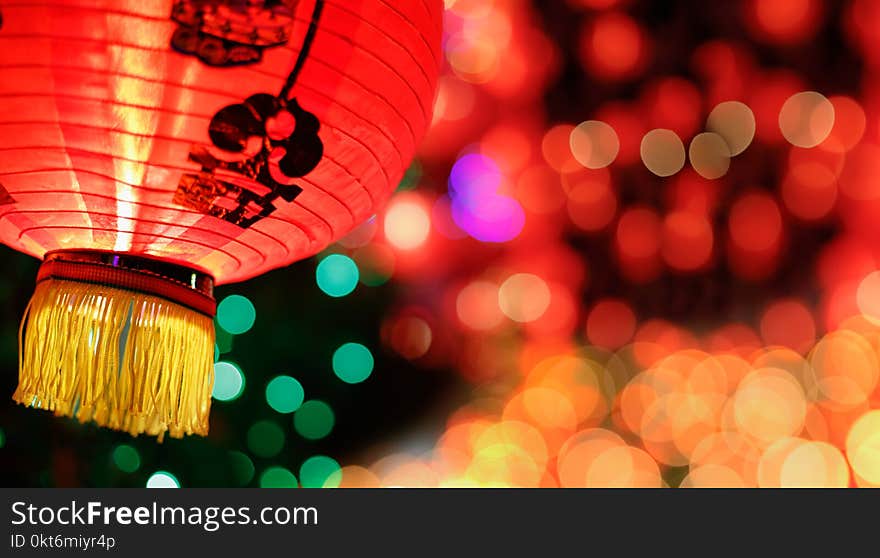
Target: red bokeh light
{"x": 687, "y": 240}
{"x": 675, "y": 104}
{"x": 788, "y": 323}
{"x": 613, "y": 47}
{"x": 726, "y": 69}
{"x": 755, "y": 222}
{"x": 688, "y": 191}
{"x": 629, "y": 127}
{"x": 638, "y": 244}
{"x": 766, "y": 102}
{"x": 611, "y": 324}
{"x": 755, "y": 235}
{"x": 785, "y": 22}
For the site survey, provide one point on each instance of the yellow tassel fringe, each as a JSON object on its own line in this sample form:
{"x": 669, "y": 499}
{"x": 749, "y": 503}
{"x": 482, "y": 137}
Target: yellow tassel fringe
{"x": 126, "y": 361}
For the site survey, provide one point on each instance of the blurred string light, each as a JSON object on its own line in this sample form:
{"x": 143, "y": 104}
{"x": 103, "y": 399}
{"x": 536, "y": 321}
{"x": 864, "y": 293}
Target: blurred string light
{"x": 284, "y": 394}
{"x": 265, "y": 439}
{"x": 611, "y": 324}
{"x": 613, "y": 47}
{"x": 320, "y": 471}
{"x": 806, "y": 119}
{"x": 407, "y": 224}
{"x": 228, "y": 381}
{"x": 242, "y": 467}
{"x": 236, "y": 314}
{"x": 768, "y": 402}
{"x": 162, "y": 479}
{"x": 594, "y": 144}
{"x": 735, "y": 123}
{"x": 763, "y": 421}
{"x": 709, "y": 155}
{"x": 337, "y": 275}
{"x": 410, "y": 336}
{"x": 477, "y": 305}
{"x": 523, "y": 297}
{"x": 663, "y": 152}
{"x": 477, "y": 207}
{"x": 353, "y": 363}
{"x": 314, "y": 420}
{"x": 277, "y": 477}
{"x": 556, "y": 147}
{"x": 126, "y": 458}
{"x": 783, "y": 23}
{"x": 863, "y": 449}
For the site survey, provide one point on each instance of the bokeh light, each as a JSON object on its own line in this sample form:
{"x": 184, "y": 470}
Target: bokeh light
{"x": 523, "y": 297}
{"x": 613, "y": 47}
{"x": 611, "y": 324}
{"x": 789, "y": 323}
{"x": 320, "y": 471}
{"x": 735, "y": 122}
{"x": 594, "y": 144}
{"x": 662, "y": 152}
{"x": 314, "y": 420}
{"x": 863, "y": 447}
{"x": 236, "y": 314}
{"x": 284, "y": 394}
{"x": 126, "y": 458}
{"x": 688, "y": 241}
{"x": 755, "y": 222}
{"x": 337, "y": 275}
{"x": 162, "y": 479}
{"x": 242, "y": 467}
{"x": 709, "y": 155}
{"x": 277, "y": 477}
{"x": 229, "y": 381}
{"x": 786, "y": 23}
{"x": 477, "y": 305}
{"x": 806, "y": 119}
{"x": 407, "y": 225}
{"x": 410, "y": 336}
{"x": 476, "y": 205}
{"x": 353, "y": 363}
{"x": 265, "y": 439}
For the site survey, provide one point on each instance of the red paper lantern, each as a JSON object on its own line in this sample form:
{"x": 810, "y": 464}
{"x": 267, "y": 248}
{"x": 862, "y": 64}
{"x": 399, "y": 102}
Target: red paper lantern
{"x": 149, "y": 149}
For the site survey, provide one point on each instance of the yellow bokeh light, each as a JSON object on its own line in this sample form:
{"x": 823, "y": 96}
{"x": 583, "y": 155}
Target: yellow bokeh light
{"x": 806, "y": 119}
{"x": 624, "y": 467}
{"x": 868, "y": 297}
{"x": 662, "y": 152}
{"x": 735, "y": 122}
{"x": 863, "y": 447}
{"x": 709, "y": 155}
{"x": 524, "y": 297}
{"x": 477, "y": 305}
{"x": 594, "y": 144}
{"x": 769, "y": 405}
{"x": 846, "y": 369}
{"x": 814, "y": 465}
{"x": 407, "y": 225}
{"x": 712, "y": 476}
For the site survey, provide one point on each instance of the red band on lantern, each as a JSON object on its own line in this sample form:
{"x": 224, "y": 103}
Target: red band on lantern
{"x": 178, "y": 284}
